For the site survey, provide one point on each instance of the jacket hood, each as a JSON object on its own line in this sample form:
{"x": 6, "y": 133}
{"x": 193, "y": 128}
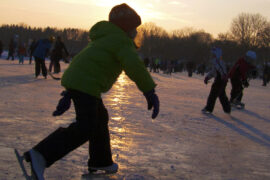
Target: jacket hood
{"x": 104, "y": 28}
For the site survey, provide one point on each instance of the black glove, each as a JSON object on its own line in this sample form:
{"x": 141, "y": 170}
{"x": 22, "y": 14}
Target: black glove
{"x": 152, "y": 101}
{"x": 245, "y": 83}
{"x": 206, "y": 79}
{"x": 63, "y": 104}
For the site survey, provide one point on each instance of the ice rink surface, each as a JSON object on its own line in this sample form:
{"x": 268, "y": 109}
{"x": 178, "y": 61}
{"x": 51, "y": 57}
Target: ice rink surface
{"x": 182, "y": 143}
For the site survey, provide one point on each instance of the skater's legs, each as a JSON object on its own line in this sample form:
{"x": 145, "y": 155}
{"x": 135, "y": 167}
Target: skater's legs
{"x": 212, "y": 97}
{"x": 237, "y": 90}
{"x": 99, "y": 146}
{"x": 224, "y": 101}
{"x": 43, "y": 67}
{"x": 30, "y": 59}
{"x": 21, "y": 57}
{"x": 51, "y": 65}
{"x": 57, "y": 67}
{"x": 37, "y": 66}
{"x": 64, "y": 140}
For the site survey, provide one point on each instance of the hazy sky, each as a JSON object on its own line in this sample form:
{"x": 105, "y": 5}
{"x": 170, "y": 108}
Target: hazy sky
{"x": 214, "y": 16}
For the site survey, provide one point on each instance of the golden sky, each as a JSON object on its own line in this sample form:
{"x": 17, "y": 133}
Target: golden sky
{"x": 214, "y": 16}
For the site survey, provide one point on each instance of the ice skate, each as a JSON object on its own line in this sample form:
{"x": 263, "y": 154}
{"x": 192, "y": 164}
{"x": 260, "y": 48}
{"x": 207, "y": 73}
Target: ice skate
{"x": 107, "y": 169}
{"x": 206, "y": 111}
{"x": 237, "y": 104}
{"x": 37, "y": 162}
{"x": 21, "y": 159}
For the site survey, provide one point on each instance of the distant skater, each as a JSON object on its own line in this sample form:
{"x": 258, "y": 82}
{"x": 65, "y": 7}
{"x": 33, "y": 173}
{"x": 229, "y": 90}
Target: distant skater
{"x": 57, "y": 55}
{"x": 92, "y": 72}
{"x": 1, "y": 48}
{"x": 218, "y": 71}
{"x": 11, "y": 49}
{"x": 266, "y": 73}
{"x": 21, "y": 52}
{"x": 239, "y": 75}
{"x": 31, "y": 50}
{"x": 42, "y": 49}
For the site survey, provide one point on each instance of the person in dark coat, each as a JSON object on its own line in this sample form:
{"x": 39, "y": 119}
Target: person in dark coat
{"x": 239, "y": 75}
{"x": 266, "y": 72}
{"x": 31, "y": 50}
{"x": 57, "y": 55}
{"x": 42, "y": 48}
{"x": 218, "y": 88}
{"x": 11, "y": 49}
{"x": 190, "y": 68}
{"x": 1, "y": 48}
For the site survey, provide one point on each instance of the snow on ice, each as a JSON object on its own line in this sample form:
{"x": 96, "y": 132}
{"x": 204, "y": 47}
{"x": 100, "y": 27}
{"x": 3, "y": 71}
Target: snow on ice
{"x": 182, "y": 143}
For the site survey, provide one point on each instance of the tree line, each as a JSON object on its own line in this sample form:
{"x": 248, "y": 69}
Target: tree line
{"x": 247, "y": 32}
{"x": 74, "y": 39}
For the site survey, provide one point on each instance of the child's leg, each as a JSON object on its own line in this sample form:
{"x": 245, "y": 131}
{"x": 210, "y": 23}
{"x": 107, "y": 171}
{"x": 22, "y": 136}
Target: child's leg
{"x": 211, "y": 101}
{"x": 236, "y": 91}
{"x": 224, "y": 100}
{"x": 37, "y": 66}
{"x": 64, "y": 140}
{"x": 43, "y": 67}
{"x": 99, "y": 146}
{"x": 20, "y": 59}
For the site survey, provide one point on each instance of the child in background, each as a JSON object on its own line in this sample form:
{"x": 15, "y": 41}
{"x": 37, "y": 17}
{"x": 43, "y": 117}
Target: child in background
{"x": 219, "y": 71}
{"x": 21, "y": 52}
{"x": 239, "y": 75}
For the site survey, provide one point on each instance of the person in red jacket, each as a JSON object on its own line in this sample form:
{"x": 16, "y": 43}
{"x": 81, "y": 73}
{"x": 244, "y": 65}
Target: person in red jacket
{"x": 239, "y": 75}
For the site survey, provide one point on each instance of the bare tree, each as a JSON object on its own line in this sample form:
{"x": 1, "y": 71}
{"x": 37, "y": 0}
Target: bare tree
{"x": 225, "y": 36}
{"x": 151, "y": 36}
{"x": 264, "y": 36}
{"x": 183, "y": 33}
{"x": 247, "y": 28}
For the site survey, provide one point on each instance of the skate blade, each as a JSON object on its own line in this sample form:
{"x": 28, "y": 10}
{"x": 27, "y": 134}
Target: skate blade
{"x": 207, "y": 113}
{"x": 98, "y": 175}
{"x": 20, "y": 160}
{"x": 238, "y": 107}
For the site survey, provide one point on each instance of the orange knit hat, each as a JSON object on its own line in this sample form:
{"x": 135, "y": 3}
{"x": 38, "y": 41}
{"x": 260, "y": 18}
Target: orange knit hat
{"x": 125, "y": 17}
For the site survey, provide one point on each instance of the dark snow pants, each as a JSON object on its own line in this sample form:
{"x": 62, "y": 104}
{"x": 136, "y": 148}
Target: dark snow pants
{"x": 55, "y": 63}
{"x": 91, "y": 125}
{"x": 10, "y": 54}
{"x": 218, "y": 91}
{"x": 237, "y": 89}
{"x": 40, "y": 64}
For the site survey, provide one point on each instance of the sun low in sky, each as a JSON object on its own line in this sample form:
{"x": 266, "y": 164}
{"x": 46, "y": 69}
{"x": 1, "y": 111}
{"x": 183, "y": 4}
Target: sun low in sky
{"x": 213, "y": 16}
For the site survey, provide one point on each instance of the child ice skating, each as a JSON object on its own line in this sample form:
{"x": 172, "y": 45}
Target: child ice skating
{"x": 93, "y": 72}
{"x": 239, "y": 75}
{"x": 218, "y": 71}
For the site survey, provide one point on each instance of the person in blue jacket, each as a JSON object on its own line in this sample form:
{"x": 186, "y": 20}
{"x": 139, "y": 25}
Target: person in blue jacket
{"x": 41, "y": 50}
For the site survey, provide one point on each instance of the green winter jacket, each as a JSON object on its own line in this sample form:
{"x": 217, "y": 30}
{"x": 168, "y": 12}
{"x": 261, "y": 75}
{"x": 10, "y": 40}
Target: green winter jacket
{"x": 110, "y": 51}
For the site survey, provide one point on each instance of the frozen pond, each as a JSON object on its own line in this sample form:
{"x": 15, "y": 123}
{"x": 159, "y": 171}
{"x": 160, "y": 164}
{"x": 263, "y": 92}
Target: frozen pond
{"x": 181, "y": 143}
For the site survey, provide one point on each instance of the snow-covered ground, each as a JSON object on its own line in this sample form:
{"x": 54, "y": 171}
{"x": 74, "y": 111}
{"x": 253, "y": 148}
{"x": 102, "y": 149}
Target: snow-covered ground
{"x": 181, "y": 143}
